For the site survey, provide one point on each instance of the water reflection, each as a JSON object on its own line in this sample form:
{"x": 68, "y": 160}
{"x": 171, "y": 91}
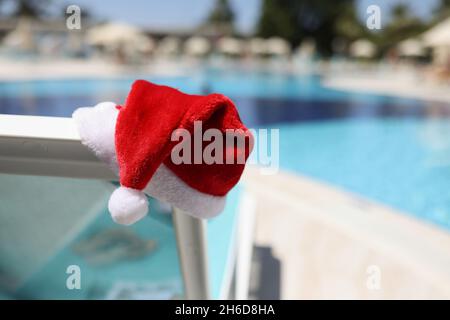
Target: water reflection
{"x": 255, "y": 112}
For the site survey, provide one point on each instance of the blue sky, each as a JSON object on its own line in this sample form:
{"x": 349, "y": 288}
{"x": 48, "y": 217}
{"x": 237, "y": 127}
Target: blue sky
{"x": 179, "y": 14}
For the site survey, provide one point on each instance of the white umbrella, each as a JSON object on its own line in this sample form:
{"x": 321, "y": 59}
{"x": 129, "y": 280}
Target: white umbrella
{"x": 411, "y": 48}
{"x": 144, "y": 43}
{"x": 362, "y": 48}
{"x": 113, "y": 35}
{"x": 307, "y": 48}
{"x": 257, "y": 46}
{"x": 278, "y": 46}
{"x": 231, "y": 46}
{"x": 169, "y": 46}
{"x": 439, "y": 35}
{"x": 197, "y": 46}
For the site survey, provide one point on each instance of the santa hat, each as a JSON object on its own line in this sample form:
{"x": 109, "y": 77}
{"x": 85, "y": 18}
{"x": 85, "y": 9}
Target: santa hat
{"x": 137, "y": 139}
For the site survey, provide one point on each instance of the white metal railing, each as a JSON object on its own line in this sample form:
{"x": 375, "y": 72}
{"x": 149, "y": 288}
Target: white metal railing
{"x": 49, "y": 146}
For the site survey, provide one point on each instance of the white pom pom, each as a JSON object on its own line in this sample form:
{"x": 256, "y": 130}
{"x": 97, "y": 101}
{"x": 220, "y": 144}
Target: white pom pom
{"x": 127, "y": 205}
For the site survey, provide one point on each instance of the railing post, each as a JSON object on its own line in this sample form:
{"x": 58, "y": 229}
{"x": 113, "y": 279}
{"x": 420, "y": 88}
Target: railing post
{"x": 192, "y": 251}
{"x": 49, "y": 146}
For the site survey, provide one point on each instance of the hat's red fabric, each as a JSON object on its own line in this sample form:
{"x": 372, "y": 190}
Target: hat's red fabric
{"x": 143, "y": 136}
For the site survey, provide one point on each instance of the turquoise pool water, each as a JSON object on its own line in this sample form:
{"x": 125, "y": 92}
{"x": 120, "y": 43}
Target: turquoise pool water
{"x": 404, "y": 163}
{"x": 393, "y": 150}
{"x": 65, "y": 222}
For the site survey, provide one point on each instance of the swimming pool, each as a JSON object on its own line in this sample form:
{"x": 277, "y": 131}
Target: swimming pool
{"x": 392, "y": 150}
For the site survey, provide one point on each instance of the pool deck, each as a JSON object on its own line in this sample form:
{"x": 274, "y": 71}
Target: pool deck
{"x": 335, "y": 245}
{"x": 27, "y": 70}
{"x": 399, "y": 84}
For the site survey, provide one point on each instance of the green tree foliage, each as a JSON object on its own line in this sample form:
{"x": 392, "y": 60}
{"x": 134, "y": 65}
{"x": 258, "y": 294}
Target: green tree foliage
{"x": 221, "y": 13}
{"x": 220, "y": 21}
{"x": 443, "y": 9}
{"x": 322, "y": 20}
{"x": 402, "y": 25}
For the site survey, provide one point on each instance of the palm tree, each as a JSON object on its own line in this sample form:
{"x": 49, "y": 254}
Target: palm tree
{"x": 402, "y": 25}
{"x": 221, "y": 13}
{"x": 400, "y": 12}
{"x": 220, "y": 20}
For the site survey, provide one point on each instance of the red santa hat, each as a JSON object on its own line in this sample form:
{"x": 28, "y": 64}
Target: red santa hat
{"x": 137, "y": 139}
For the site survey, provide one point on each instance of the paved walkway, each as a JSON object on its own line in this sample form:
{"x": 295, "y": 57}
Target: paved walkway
{"x": 401, "y": 84}
{"x": 333, "y": 244}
